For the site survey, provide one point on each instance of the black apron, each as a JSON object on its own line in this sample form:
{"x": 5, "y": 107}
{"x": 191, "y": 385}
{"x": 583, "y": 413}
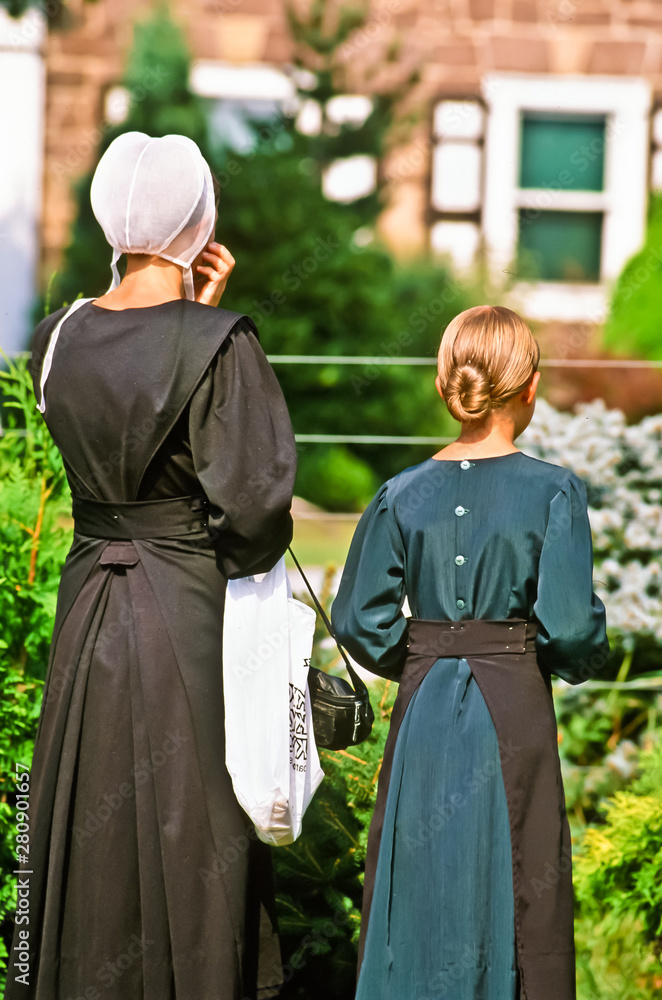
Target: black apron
{"x": 502, "y": 659}
{"x": 146, "y": 878}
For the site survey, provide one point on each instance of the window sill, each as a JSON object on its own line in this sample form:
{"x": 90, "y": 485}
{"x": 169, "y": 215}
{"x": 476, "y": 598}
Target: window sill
{"x": 552, "y": 300}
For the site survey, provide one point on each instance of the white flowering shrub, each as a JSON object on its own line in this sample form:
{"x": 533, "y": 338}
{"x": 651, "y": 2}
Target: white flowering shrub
{"x": 621, "y": 466}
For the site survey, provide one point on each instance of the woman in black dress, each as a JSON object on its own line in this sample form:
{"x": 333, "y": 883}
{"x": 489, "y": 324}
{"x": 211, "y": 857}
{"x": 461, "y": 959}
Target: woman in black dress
{"x": 145, "y": 876}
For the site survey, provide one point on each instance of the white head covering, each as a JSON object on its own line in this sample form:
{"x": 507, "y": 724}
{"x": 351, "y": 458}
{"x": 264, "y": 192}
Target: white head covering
{"x": 154, "y": 196}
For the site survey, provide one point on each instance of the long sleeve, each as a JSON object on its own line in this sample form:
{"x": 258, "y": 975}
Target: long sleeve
{"x": 572, "y": 641}
{"x": 367, "y": 611}
{"x": 245, "y": 456}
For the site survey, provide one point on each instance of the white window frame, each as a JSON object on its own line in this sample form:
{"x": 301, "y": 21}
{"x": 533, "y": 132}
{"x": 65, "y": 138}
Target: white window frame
{"x": 625, "y": 101}
{"x": 656, "y": 149}
{"x": 250, "y": 81}
{"x": 454, "y": 228}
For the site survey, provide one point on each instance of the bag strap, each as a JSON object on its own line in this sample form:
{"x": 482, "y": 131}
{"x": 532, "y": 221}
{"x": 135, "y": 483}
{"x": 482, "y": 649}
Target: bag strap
{"x": 359, "y": 685}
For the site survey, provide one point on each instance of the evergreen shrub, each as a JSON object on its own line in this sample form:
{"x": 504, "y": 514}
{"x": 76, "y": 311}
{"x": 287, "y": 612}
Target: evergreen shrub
{"x": 618, "y": 883}
{"x": 35, "y": 534}
{"x": 632, "y": 326}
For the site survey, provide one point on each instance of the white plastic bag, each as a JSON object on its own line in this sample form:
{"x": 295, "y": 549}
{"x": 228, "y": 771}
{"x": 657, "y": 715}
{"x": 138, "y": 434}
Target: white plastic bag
{"x": 270, "y": 748}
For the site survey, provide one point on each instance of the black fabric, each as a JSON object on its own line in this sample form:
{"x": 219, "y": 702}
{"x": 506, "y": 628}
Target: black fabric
{"x": 147, "y": 880}
{"x": 142, "y": 519}
{"x": 502, "y": 658}
{"x": 342, "y": 716}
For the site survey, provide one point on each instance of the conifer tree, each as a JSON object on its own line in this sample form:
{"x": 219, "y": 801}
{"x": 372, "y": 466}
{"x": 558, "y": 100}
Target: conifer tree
{"x": 310, "y": 272}
{"x": 160, "y": 103}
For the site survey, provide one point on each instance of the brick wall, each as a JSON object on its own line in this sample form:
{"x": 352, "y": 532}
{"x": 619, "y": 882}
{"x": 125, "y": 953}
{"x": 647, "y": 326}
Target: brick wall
{"x": 452, "y": 43}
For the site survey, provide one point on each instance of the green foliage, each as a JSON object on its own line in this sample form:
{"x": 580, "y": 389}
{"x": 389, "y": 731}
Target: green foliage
{"x": 323, "y": 35}
{"x": 336, "y": 479}
{"x": 157, "y": 80}
{"x": 34, "y": 538}
{"x": 633, "y": 325}
{"x": 619, "y": 967}
{"x": 618, "y": 881}
{"x": 601, "y": 732}
{"x": 619, "y": 868}
{"x": 34, "y": 533}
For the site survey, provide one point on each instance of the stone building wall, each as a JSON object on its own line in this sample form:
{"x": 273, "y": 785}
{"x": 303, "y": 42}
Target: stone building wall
{"x": 452, "y": 43}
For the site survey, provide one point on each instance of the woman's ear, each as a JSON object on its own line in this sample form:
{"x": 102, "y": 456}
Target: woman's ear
{"x": 437, "y": 382}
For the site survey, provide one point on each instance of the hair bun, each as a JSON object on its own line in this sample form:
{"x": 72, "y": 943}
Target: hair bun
{"x": 467, "y": 392}
{"x": 487, "y": 356}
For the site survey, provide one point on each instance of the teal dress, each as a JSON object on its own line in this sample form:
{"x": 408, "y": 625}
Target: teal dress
{"x": 494, "y": 538}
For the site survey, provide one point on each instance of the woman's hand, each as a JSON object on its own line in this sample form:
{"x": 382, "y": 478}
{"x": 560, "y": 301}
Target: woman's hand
{"x": 209, "y": 288}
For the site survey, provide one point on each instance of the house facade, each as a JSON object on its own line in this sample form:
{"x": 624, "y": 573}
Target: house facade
{"x": 535, "y": 132}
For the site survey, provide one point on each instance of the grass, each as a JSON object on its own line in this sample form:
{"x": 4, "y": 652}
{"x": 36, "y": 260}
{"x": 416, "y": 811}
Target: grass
{"x": 322, "y": 541}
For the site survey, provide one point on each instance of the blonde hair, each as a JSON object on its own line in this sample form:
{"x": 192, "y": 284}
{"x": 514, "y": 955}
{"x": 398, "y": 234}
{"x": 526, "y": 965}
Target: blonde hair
{"x": 487, "y": 356}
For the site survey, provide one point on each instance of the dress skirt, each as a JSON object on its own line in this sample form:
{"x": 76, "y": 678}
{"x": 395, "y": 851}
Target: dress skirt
{"x": 445, "y": 832}
{"x": 146, "y": 873}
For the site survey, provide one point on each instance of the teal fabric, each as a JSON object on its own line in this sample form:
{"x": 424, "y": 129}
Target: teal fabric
{"x": 495, "y": 538}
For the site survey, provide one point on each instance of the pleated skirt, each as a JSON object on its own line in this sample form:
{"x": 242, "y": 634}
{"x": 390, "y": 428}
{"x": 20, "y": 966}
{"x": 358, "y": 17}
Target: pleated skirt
{"x": 442, "y": 916}
{"x": 146, "y": 879}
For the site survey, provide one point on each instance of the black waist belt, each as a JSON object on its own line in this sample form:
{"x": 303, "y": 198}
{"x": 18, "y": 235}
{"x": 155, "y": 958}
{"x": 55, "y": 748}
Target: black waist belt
{"x": 146, "y": 519}
{"x": 474, "y": 637}
{"x": 503, "y": 663}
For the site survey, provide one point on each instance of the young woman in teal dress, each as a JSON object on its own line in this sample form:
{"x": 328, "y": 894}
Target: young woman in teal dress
{"x": 468, "y": 892}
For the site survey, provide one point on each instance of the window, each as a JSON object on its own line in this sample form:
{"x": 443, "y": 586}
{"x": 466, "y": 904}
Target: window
{"x": 565, "y": 186}
{"x": 560, "y": 246}
{"x": 456, "y": 180}
{"x": 349, "y": 177}
{"x": 571, "y": 147}
{"x": 564, "y": 154}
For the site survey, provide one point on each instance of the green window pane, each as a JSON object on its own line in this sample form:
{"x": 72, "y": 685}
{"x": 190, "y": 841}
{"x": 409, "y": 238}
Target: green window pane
{"x": 560, "y": 246}
{"x": 562, "y": 152}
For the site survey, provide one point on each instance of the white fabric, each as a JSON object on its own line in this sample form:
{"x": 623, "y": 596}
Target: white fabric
{"x": 50, "y": 350}
{"x": 155, "y": 196}
{"x": 270, "y": 747}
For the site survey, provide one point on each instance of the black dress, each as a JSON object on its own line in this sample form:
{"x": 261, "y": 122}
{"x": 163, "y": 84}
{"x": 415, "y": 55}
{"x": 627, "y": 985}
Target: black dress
{"x": 146, "y": 879}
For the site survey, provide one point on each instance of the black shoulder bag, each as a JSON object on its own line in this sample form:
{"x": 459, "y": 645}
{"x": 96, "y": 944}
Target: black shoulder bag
{"x": 342, "y": 714}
